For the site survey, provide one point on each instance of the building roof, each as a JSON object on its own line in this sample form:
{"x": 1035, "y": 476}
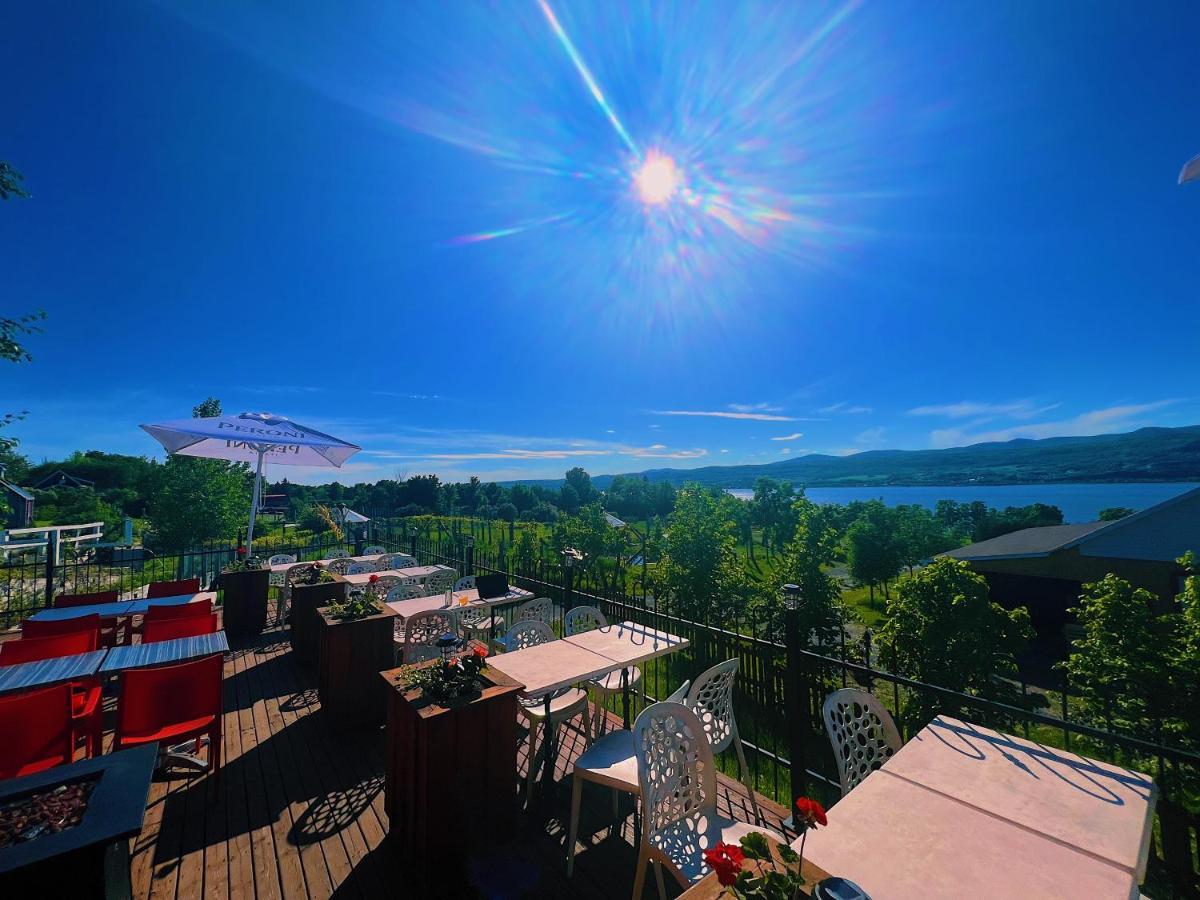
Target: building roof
{"x": 1028, "y": 542}
{"x": 613, "y": 520}
{"x": 1162, "y": 531}
{"x": 12, "y": 488}
{"x": 59, "y": 477}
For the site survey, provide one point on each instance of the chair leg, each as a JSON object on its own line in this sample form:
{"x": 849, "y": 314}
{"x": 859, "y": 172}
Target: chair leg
{"x": 587, "y": 725}
{"x": 639, "y": 878}
{"x": 533, "y": 727}
{"x": 616, "y": 806}
{"x": 746, "y": 779}
{"x": 573, "y": 830}
{"x": 662, "y": 888}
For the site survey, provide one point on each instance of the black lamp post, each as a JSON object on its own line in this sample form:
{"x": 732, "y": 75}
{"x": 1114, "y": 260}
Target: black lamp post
{"x": 570, "y": 557}
{"x": 796, "y": 697}
{"x": 469, "y": 542}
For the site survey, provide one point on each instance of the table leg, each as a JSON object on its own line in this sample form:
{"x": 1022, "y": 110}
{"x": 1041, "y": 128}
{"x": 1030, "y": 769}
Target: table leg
{"x": 548, "y": 742}
{"x": 625, "y": 695}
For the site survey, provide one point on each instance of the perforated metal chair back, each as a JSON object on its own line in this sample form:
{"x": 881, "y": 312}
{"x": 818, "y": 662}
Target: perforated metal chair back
{"x": 583, "y": 618}
{"x": 862, "y": 732}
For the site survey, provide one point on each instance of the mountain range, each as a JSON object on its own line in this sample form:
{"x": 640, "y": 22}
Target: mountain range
{"x": 1148, "y": 454}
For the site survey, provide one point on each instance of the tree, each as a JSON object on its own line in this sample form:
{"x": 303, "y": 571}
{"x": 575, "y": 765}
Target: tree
{"x": 873, "y": 554}
{"x": 568, "y": 498}
{"x": 522, "y": 498}
{"x": 10, "y": 182}
{"x": 1112, "y": 513}
{"x": 919, "y": 536}
{"x": 700, "y": 575}
{"x": 943, "y": 629}
{"x": 823, "y": 616}
{"x": 581, "y": 481}
{"x": 197, "y": 500}
{"x": 12, "y": 350}
{"x": 508, "y": 512}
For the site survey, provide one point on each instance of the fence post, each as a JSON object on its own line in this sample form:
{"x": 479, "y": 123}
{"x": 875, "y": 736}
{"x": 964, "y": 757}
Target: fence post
{"x": 469, "y": 566}
{"x": 412, "y": 543}
{"x": 51, "y": 560}
{"x": 798, "y": 712}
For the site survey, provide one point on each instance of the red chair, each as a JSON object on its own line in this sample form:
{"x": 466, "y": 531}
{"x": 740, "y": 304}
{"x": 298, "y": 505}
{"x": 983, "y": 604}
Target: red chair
{"x": 199, "y": 608}
{"x": 108, "y": 625}
{"x": 64, "y": 600}
{"x": 34, "y": 628}
{"x": 30, "y": 649}
{"x": 38, "y": 731}
{"x": 172, "y": 703}
{"x": 179, "y": 627}
{"x": 173, "y": 588}
{"x": 87, "y": 710}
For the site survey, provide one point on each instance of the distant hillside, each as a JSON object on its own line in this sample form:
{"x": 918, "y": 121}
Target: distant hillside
{"x": 1148, "y": 454}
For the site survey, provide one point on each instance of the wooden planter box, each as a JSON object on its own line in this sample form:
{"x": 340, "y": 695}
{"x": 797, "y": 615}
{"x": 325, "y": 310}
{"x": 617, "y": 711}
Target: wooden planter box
{"x": 303, "y": 618}
{"x": 244, "y": 602}
{"x": 352, "y": 654}
{"x": 450, "y": 774}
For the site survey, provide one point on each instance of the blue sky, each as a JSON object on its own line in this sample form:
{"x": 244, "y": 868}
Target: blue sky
{"x": 419, "y": 226}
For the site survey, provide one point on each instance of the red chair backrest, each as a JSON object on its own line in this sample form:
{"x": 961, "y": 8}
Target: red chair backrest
{"x": 37, "y": 731}
{"x": 33, "y": 628}
{"x": 199, "y": 609}
{"x": 180, "y": 627}
{"x": 158, "y": 696}
{"x": 29, "y": 649}
{"x": 65, "y": 600}
{"x": 173, "y": 588}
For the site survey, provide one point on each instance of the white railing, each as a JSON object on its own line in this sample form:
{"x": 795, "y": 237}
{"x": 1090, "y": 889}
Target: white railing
{"x": 51, "y": 537}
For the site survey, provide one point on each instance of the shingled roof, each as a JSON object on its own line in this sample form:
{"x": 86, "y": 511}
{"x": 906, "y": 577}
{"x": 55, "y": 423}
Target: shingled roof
{"x": 1028, "y": 542}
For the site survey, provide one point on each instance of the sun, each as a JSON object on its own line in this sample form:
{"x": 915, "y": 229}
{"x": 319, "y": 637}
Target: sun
{"x": 657, "y": 179}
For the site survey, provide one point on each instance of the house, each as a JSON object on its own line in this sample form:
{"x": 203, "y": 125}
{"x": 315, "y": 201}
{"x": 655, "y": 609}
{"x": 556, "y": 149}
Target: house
{"x": 20, "y": 504}
{"x": 60, "y": 478}
{"x": 1045, "y": 568}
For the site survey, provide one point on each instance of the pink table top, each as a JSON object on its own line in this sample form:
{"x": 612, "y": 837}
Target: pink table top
{"x": 550, "y": 666}
{"x": 283, "y": 567}
{"x": 410, "y": 572}
{"x": 406, "y": 608}
{"x": 899, "y": 841}
{"x": 962, "y": 810}
{"x": 628, "y": 642}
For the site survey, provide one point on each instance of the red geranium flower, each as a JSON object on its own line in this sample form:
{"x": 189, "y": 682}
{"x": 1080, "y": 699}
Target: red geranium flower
{"x": 373, "y": 579}
{"x": 810, "y": 812}
{"x": 241, "y": 551}
{"x": 726, "y": 861}
{"x": 480, "y": 651}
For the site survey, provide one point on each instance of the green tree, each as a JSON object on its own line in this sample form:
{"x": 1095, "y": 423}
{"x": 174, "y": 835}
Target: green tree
{"x": 943, "y": 629}
{"x": 581, "y": 481}
{"x": 1112, "y": 513}
{"x": 10, "y": 182}
{"x": 700, "y": 575}
{"x": 197, "y": 500}
{"x": 919, "y": 536}
{"x": 823, "y": 615}
{"x": 873, "y": 551}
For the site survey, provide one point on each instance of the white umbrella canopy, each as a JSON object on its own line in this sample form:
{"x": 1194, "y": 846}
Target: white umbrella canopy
{"x": 252, "y": 438}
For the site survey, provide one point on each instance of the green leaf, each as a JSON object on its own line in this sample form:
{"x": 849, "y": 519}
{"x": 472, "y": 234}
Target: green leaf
{"x": 755, "y": 846}
{"x": 788, "y": 855}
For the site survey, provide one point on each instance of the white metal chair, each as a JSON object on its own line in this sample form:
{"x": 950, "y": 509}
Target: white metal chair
{"x": 589, "y": 618}
{"x": 678, "y": 783}
{"x": 395, "y": 561}
{"x": 359, "y": 568}
{"x": 440, "y": 582}
{"x": 338, "y": 554}
{"x": 341, "y": 565}
{"x": 384, "y": 584}
{"x": 290, "y": 576}
{"x": 711, "y": 698}
{"x": 610, "y": 761}
{"x": 372, "y": 551}
{"x": 466, "y": 583}
{"x": 421, "y": 633}
{"x": 405, "y": 590}
{"x": 564, "y": 704}
{"x": 538, "y": 610}
{"x": 862, "y": 732}
{"x": 279, "y": 579}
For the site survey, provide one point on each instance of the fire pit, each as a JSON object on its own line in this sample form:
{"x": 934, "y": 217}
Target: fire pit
{"x": 65, "y": 832}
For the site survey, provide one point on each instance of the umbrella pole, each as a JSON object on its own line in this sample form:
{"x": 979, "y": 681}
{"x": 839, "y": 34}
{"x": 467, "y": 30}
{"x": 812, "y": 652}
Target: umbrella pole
{"x": 254, "y": 505}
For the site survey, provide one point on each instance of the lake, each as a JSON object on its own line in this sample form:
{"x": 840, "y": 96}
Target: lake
{"x": 1078, "y": 502}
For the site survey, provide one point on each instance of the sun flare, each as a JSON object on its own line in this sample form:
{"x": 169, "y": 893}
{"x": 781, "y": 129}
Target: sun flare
{"x": 657, "y": 178}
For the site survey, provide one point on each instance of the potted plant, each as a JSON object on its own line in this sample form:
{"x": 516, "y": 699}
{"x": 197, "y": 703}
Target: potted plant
{"x": 312, "y": 589}
{"x": 244, "y": 585}
{"x": 451, "y": 736}
{"x": 356, "y": 643}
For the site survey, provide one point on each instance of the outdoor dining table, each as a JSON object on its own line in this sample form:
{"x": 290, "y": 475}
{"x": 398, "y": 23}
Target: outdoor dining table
{"x": 555, "y": 665}
{"x": 418, "y": 572}
{"x": 45, "y": 672}
{"x": 964, "y": 811}
{"x": 119, "y": 608}
{"x": 283, "y": 567}
{"x": 138, "y": 656}
{"x": 414, "y": 605}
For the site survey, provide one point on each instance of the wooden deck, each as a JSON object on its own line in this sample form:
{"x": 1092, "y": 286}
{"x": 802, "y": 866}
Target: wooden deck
{"x": 298, "y": 813}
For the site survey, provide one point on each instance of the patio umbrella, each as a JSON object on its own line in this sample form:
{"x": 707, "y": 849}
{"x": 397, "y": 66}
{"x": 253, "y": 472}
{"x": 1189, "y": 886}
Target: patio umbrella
{"x": 1190, "y": 171}
{"x": 252, "y": 438}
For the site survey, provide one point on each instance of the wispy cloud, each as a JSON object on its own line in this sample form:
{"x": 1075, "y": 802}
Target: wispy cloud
{"x": 966, "y": 409}
{"x": 1122, "y": 417}
{"x": 660, "y": 451}
{"x": 872, "y": 437}
{"x": 845, "y": 409}
{"x": 556, "y": 453}
{"x": 726, "y": 414}
{"x": 795, "y": 436}
{"x": 723, "y": 450}
{"x": 755, "y": 407}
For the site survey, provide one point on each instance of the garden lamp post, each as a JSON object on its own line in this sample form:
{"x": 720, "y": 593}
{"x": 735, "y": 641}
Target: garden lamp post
{"x": 570, "y": 557}
{"x": 796, "y": 698}
{"x": 469, "y": 544}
